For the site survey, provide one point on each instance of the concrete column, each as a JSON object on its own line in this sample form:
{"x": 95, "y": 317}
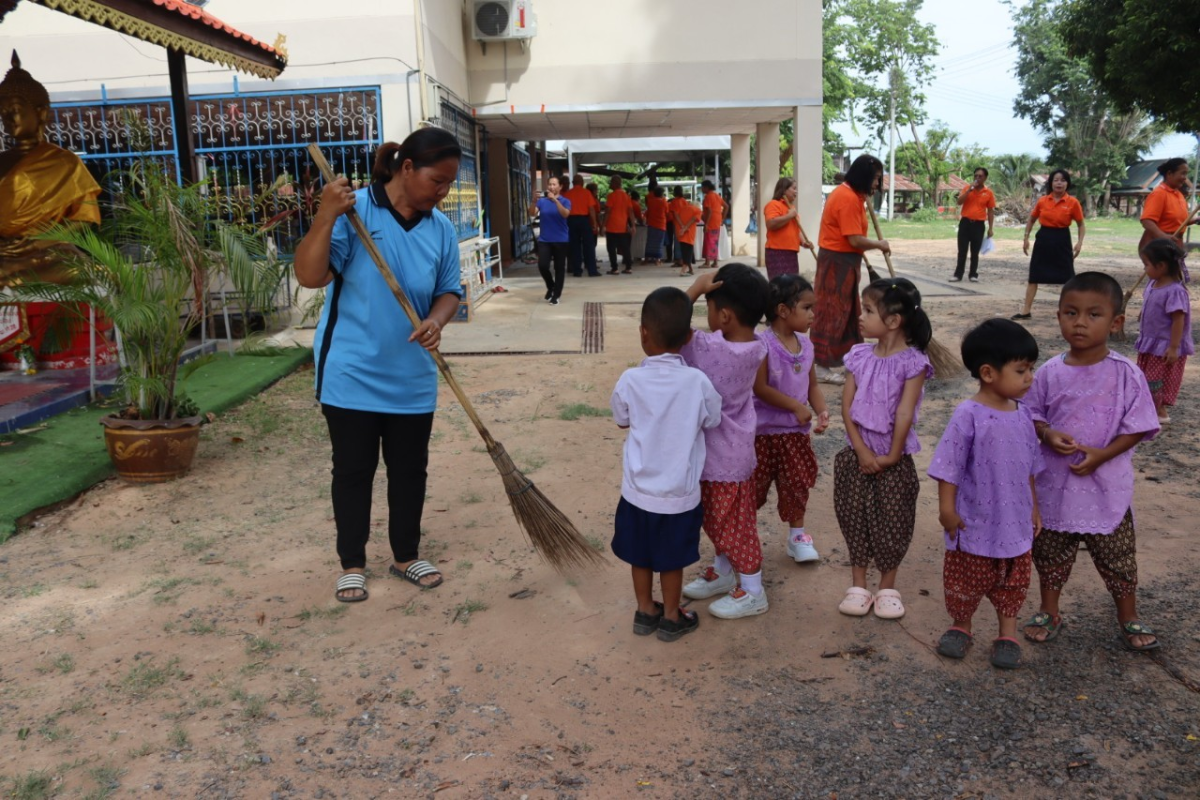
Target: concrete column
{"x": 498, "y": 196}
{"x": 767, "y": 135}
{"x": 806, "y": 161}
{"x": 739, "y": 163}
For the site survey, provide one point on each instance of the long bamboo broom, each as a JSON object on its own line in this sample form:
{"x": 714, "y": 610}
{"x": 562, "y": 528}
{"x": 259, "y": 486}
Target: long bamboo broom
{"x": 1119, "y": 334}
{"x": 887, "y": 257}
{"x": 871, "y": 273}
{"x": 547, "y": 528}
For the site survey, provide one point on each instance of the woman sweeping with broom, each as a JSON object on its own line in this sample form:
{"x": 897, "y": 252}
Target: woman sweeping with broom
{"x": 375, "y": 383}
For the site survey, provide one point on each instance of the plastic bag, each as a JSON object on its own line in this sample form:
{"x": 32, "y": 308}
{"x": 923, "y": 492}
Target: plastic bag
{"x": 989, "y": 244}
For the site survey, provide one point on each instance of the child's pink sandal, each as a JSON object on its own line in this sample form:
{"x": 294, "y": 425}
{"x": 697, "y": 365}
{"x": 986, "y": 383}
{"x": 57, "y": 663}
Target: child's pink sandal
{"x": 857, "y": 602}
{"x": 888, "y": 605}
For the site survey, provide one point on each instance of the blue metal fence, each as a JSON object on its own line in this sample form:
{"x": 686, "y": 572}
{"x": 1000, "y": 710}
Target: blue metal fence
{"x": 462, "y": 203}
{"x": 520, "y": 186}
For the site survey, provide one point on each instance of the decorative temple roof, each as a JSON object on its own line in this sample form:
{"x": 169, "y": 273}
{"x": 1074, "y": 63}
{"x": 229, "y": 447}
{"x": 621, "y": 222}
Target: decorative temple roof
{"x": 177, "y": 25}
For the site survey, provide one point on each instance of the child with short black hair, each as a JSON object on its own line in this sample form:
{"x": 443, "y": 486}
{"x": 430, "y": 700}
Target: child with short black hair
{"x": 875, "y": 483}
{"x": 730, "y": 356}
{"x": 665, "y": 405}
{"x": 786, "y": 395}
{"x": 1165, "y": 335}
{"x": 985, "y": 466}
{"x": 1090, "y": 407}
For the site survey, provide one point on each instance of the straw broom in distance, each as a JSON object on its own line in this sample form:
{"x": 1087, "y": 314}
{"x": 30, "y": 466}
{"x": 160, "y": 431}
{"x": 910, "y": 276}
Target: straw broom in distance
{"x": 1119, "y": 334}
{"x": 547, "y": 528}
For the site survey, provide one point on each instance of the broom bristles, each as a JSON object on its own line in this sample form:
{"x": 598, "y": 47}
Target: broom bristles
{"x": 945, "y": 363}
{"x": 549, "y": 531}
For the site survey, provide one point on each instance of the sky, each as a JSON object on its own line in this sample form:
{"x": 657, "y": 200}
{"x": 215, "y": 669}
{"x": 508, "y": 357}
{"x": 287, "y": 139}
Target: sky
{"x": 974, "y": 86}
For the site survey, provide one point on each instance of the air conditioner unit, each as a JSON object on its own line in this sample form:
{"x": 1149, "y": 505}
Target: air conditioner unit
{"x": 502, "y": 20}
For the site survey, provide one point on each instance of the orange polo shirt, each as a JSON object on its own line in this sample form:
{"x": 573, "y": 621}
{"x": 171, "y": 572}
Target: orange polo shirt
{"x": 713, "y": 217}
{"x": 656, "y": 212}
{"x": 976, "y": 204}
{"x": 1167, "y": 208}
{"x": 844, "y": 216}
{"x": 786, "y": 237}
{"x": 582, "y": 201}
{"x": 675, "y": 206}
{"x": 687, "y": 212}
{"x": 620, "y": 207}
{"x": 1057, "y": 213}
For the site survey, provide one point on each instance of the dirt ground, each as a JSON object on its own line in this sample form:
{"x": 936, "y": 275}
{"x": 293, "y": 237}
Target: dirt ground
{"x": 182, "y": 640}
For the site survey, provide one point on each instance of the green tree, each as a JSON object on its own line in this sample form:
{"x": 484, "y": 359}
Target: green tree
{"x": 1144, "y": 53}
{"x": 1083, "y": 129}
{"x": 929, "y": 162}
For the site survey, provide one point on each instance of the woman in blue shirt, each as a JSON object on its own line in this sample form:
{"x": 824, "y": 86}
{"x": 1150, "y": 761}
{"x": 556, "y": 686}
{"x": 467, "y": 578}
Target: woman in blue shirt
{"x": 552, "y": 210}
{"x": 375, "y": 383}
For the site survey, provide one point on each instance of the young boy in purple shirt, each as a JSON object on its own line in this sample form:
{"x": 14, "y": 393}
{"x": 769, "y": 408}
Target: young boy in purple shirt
{"x": 1090, "y": 407}
{"x": 730, "y": 356}
{"x": 665, "y": 405}
{"x": 987, "y": 504}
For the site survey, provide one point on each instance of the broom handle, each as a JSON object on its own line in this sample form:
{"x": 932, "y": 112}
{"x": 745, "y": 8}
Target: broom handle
{"x": 1179, "y": 230}
{"x": 886, "y": 255}
{"x": 804, "y": 236}
{"x": 384, "y": 270}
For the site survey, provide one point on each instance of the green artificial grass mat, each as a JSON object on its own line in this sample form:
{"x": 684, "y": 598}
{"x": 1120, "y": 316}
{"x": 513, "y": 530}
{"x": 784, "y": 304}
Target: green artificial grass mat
{"x": 49, "y": 466}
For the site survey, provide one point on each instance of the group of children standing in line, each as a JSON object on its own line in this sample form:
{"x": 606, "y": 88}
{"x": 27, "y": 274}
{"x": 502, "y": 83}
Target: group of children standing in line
{"x": 1028, "y": 469}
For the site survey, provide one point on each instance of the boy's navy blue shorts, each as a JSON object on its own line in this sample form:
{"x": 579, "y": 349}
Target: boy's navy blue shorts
{"x": 657, "y": 542}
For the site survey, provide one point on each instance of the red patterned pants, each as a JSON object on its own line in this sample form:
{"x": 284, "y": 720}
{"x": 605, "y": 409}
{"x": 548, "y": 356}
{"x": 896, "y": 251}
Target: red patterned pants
{"x": 787, "y": 459}
{"x": 969, "y": 578}
{"x": 731, "y": 522}
{"x": 1164, "y": 379}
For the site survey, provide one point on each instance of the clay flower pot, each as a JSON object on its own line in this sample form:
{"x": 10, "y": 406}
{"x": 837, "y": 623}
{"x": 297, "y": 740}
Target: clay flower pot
{"x": 153, "y": 450}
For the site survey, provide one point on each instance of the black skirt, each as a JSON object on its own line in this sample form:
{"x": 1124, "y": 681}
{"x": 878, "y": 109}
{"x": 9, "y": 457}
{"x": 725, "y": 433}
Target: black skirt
{"x": 1053, "y": 259}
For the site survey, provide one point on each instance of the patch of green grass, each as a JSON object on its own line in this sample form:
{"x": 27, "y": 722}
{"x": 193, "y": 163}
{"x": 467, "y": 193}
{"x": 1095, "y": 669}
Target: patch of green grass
{"x": 177, "y": 738}
{"x": 31, "y": 786}
{"x": 597, "y": 543}
{"x": 124, "y": 541}
{"x": 108, "y": 780}
{"x": 261, "y": 646}
{"x": 317, "y": 612}
{"x": 464, "y": 610}
{"x": 51, "y": 731}
{"x": 142, "y": 750}
{"x": 254, "y": 706}
{"x": 467, "y": 498}
{"x": 195, "y": 545}
{"x": 529, "y": 462}
{"x": 89, "y": 583}
{"x": 464, "y": 565}
{"x": 65, "y": 663}
{"x": 34, "y": 590}
{"x": 577, "y": 410}
{"x": 168, "y": 590}
{"x": 146, "y": 676}
{"x": 201, "y": 626}
{"x": 469, "y": 524}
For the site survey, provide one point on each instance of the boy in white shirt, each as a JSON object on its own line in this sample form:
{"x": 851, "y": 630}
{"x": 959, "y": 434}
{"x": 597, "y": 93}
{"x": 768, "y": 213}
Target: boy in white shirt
{"x": 665, "y": 405}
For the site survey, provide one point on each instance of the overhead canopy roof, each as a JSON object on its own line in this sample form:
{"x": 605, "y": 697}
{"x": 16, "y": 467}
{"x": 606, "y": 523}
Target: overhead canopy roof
{"x": 642, "y": 150}
{"x": 176, "y": 25}
{"x": 541, "y": 123}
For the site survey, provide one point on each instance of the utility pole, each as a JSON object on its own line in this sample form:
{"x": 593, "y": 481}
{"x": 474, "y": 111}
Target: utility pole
{"x": 893, "y": 76}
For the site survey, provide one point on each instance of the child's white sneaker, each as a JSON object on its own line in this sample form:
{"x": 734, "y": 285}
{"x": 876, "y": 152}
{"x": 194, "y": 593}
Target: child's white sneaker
{"x": 710, "y": 584}
{"x": 739, "y": 603}
{"x": 802, "y": 550}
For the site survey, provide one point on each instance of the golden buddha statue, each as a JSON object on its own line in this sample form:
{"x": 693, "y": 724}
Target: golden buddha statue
{"x": 40, "y": 183}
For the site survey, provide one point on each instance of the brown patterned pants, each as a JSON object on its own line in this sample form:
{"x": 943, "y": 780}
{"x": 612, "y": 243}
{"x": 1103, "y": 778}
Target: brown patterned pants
{"x": 968, "y": 578}
{"x": 876, "y": 513}
{"x": 1114, "y": 554}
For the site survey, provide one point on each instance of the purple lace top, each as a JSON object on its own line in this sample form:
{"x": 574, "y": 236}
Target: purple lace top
{"x": 731, "y": 366}
{"x": 990, "y": 455}
{"x": 789, "y": 373}
{"x": 1094, "y": 404}
{"x": 879, "y": 385}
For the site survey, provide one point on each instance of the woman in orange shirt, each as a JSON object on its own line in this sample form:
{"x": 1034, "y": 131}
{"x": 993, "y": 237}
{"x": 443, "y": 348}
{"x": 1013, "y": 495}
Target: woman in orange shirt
{"x": 1053, "y": 259}
{"x": 1165, "y": 212}
{"x": 842, "y": 240}
{"x": 686, "y": 216}
{"x": 656, "y": 225}
{"x": 714, "y": 220}
{"x": 784, "y": 237}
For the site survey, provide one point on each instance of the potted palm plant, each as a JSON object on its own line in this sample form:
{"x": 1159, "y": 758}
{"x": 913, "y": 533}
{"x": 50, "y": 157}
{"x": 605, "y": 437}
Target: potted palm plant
{"x": 148, "y": 269}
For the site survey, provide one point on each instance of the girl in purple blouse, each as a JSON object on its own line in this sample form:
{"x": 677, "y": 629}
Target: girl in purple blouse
{"x": 786, "y": 398}
{"x": 1165, "y": 339}
{"x": 875, "y": 484}
{"x": 987, "y": 504}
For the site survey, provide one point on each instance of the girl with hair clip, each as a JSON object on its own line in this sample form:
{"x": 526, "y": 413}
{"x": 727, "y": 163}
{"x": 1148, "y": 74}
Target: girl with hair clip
{"x": 875, "y": 483}
{"x": 1165, "y": 336}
